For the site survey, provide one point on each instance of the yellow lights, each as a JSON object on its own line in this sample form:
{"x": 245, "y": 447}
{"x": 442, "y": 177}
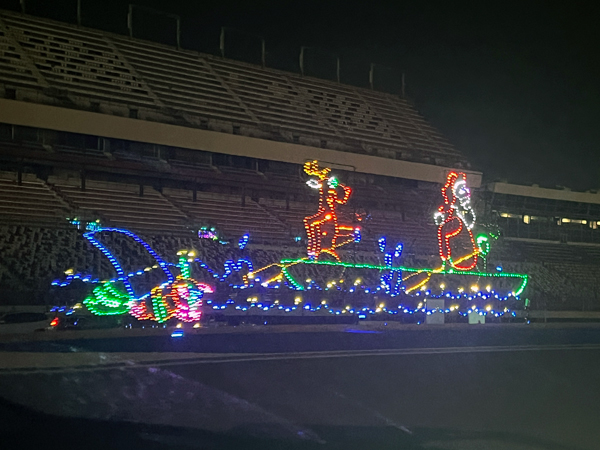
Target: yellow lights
{"x": 192, "y": 254}
{"x": 488, "y": 288}
{"x": 461, "y": 289}
{"x": 348, "y": 307}
{"x": 276, "y": 302}
{"x": 329, "y": 285}
{"x": 474, "y": 288}
{"x": 424, "y": 287}
{"x": 357, "y": 282}
{"x": 341, "y": 281}
{"x": 155, "y": 266}
{"x": 181, "y": 252}
{"x": 442, "y": 286}
{"x": 147, "y": 269}
{"x": 252, "y": 299}
{"x": 297, "y": 300}
{"x": 420, "y": 305}
{"x": 308, "y": 280}
{"x": 197, "y": 325}
{"x": 251, "y": 275}
{"x": 69, "y": 271}
{"x": 378, "y": 310}
{"x": 179, "y": 325}
{"x": 382, "y": 305}
{"x": 488, "y": 308}
{"x": 453, "y": 308}
{"x": 565, "y": 220}
{"x": 526, "y": 219}
{"x": 323, "y": 302}
{"x": 77, "y": 306}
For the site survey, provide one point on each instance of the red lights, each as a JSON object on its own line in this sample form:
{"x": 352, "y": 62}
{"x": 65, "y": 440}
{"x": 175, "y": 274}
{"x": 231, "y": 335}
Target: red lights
{"x": 455, "y": 218}
{"x": 326, "y": 216}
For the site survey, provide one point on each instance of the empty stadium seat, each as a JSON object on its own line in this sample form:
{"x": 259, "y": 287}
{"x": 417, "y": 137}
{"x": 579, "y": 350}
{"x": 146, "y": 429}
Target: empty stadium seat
{"x": 32, "y": 200}
{"x": 228, "y": 215}
{"x": 122, "y": 205}
{"x": 79, "y": 60}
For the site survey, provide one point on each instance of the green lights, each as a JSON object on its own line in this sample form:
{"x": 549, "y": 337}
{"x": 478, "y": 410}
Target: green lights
{"x": 290, "y": 262}
{"x": 107, "y": 300}
{"x": 483, "y": 243}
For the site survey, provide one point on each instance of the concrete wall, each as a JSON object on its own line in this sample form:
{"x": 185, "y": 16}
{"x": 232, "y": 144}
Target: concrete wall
{"x": 62, "y": 119}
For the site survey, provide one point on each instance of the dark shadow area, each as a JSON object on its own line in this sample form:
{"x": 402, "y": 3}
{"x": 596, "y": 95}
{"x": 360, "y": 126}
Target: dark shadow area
{"x": 24, "y": 428}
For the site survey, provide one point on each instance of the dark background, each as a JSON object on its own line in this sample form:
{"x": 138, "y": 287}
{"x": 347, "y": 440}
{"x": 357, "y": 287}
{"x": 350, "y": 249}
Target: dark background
{"x": 513, "y": 85}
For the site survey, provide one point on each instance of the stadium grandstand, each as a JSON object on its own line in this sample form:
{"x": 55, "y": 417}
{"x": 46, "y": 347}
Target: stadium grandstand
{"x": 163, "y": 141}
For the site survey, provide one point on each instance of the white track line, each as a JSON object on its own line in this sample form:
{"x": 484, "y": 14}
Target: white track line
{"x": 257, "y": 357}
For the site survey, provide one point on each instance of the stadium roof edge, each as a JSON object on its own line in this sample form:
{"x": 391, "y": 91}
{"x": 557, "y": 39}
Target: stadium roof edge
{"x": 16, "y": 112}
{"x": 540, "y": 192}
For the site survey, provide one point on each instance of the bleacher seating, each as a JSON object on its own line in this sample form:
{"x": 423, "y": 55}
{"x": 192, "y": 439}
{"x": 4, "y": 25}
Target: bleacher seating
{"x": 14, "y": 69}
{"x": 123, "y": 205}
{"x": 271, "y": 97}
{"x": 228, "y": 215}
{"x": 31, "y": 200}
{"x": 182, "y": 80}
{"x": 84, "y": 68}
{"x": 80, "y": 60}
{"x": 87, "y": 66}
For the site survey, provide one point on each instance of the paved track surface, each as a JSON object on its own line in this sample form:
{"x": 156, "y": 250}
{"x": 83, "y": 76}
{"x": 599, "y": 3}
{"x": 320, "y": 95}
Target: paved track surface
{"x": 462, "y": 388}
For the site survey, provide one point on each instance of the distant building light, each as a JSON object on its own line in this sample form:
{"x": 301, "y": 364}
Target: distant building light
{"x": 526, "y": 219}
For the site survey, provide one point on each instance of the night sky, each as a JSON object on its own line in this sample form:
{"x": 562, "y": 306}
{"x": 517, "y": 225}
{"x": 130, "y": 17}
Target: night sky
{"x": 515, "y": 86}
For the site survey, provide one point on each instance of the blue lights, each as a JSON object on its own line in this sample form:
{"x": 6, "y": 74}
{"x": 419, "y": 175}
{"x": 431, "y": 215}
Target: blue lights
{"x": 177, "y": 333}
{"x": 125, "y": 278}
{"x": 381, "y": 243}
{"x": 236, "y": 266}
{"x": 243, "y": 241}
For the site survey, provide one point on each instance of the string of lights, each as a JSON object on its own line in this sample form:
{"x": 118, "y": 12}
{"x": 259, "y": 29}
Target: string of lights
{"x": 467, "y": 288}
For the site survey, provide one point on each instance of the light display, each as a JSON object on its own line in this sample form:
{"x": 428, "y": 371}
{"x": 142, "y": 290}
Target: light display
{"x": 455, "y": 219}
{"x": 238, "y": 266}
{"x": 90, "y": 236}
{"x": 106, "y": 299}
{"x": 392, "y": 281}
{"x": 365, "y": 289}
{"x": 243, "y": 241}
{"x": 520, "y": 279}
{"x": 208, "y": 233}
{"x": 181, "y": 298}
{"x": 325, "y": 233}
